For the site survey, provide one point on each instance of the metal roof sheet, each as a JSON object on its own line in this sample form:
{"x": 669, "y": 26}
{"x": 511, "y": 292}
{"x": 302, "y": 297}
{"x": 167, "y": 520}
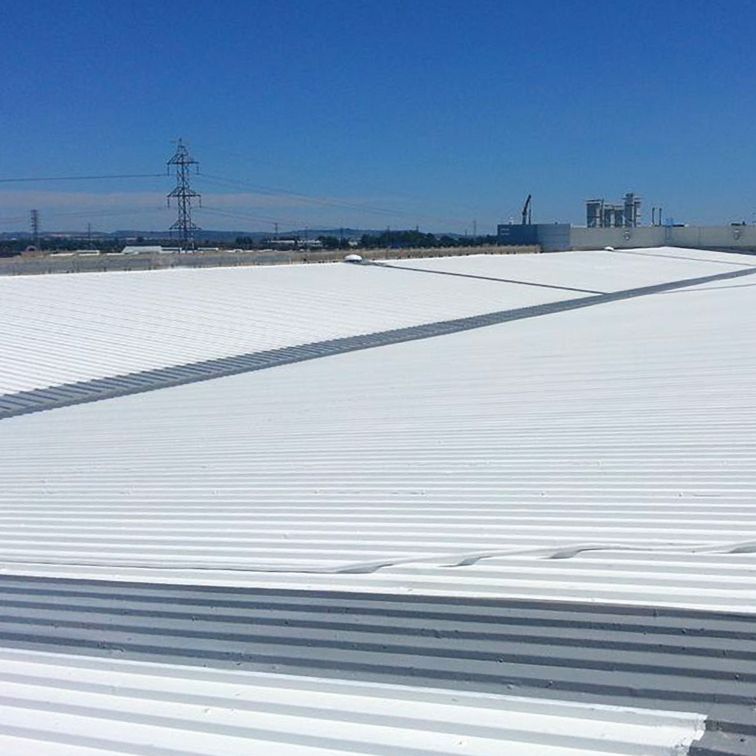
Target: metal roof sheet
{"x": 560, "y": 508}
{"x": 56, "y": 704}
{"x": 442, "y": 465}
{"x": 61, "y": 329}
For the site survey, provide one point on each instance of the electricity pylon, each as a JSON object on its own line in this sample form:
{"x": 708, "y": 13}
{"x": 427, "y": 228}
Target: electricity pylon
{"x": 183, "y": 194}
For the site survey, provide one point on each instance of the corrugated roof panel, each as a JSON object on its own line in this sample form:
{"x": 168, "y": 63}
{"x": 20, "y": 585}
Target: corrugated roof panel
{"x": 612, "y": 428}
{"x": 74, "y": 706}
{"x": 60, "y": 329}
{"x": 610, "y": 271}
{"x": 547, "y": 443}
{"x": 562, "y": 507}
{"x": 63, "y": 329}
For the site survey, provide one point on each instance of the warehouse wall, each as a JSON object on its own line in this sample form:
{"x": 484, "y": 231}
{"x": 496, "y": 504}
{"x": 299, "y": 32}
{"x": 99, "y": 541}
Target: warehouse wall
{"x": 706, "y": 237}
{"x": 736, "y": 237}
{"x": 552, "y": 237}
{"x": 598, "y": 238}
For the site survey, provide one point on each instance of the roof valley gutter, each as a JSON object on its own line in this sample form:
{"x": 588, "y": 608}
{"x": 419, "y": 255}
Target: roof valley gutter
{"x": 482, "y": 278}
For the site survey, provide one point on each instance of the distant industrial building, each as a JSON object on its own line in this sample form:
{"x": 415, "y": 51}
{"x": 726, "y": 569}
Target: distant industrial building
{"x": 554, "y": 237}
{"x": 550, "y": 236}
{"x": 619, "y": 225}
{"x": 601, "y": 214}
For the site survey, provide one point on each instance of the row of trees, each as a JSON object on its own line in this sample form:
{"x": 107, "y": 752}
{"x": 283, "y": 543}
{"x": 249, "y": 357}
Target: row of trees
{"x": 12, "y": 247}
{"x": 387, "y": 239}
{"x": 417, "y": 239}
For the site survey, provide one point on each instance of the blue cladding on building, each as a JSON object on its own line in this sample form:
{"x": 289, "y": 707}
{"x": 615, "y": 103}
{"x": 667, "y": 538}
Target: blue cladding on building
{"x": 552, "y": 237}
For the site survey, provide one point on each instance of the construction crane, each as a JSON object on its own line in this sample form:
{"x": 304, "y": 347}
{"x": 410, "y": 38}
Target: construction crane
{"x": 527, "y": 217}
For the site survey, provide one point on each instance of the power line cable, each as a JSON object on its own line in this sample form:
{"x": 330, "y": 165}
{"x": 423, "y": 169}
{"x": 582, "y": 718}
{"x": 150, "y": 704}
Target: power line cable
{"x": 237, "y": 183}
{"x": 241, "y": 215}
{"x": 244, "y": 158}
{"x": 323, "y": 201}
{"x": 273, "y": 221}
{"x": 268, "y": 191}
{"x": 80, "y": 178}
{"x": 126, "y": 210}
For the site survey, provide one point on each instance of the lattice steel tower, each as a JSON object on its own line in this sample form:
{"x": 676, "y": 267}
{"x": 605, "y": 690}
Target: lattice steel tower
{"x": 34, "y": 223}
{"x": 183, "y": 194}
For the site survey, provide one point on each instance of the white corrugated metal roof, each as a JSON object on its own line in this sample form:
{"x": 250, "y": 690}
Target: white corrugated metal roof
{"x": 56, "y": 704}
{"x": 416, "y": 512}
{"x": 59, "y": 329}
{"x": 609, "y": 429}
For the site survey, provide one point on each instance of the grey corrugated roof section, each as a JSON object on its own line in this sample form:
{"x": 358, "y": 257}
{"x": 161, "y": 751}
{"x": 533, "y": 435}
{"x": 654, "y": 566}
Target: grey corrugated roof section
{"x": 38, "y": 400}
{"x": 657, "y": 659}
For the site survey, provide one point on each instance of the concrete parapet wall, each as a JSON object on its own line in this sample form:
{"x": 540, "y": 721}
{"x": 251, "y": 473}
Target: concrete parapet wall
{"x": 733, "y": 237}
{"x": 74, "y": 263}
{"x": 493, "y": 249}
{"x": 598, "y": 238}
{"x": 703, "y": 237}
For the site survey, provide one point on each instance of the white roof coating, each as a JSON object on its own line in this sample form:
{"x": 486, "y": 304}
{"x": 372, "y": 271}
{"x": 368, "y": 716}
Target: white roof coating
{"x": 59, "y": 329}
{"x": 499, "y": 450}
{"x": 112, "y": 706}
{"x": 535, "y": 538}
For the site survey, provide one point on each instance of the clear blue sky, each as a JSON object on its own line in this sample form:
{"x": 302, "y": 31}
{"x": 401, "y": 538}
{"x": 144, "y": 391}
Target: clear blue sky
{"x": 437, "y": 111}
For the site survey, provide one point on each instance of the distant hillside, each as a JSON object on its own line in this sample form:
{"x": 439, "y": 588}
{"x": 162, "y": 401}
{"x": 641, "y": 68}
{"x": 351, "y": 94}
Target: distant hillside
{"x": 200, "y": 235}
